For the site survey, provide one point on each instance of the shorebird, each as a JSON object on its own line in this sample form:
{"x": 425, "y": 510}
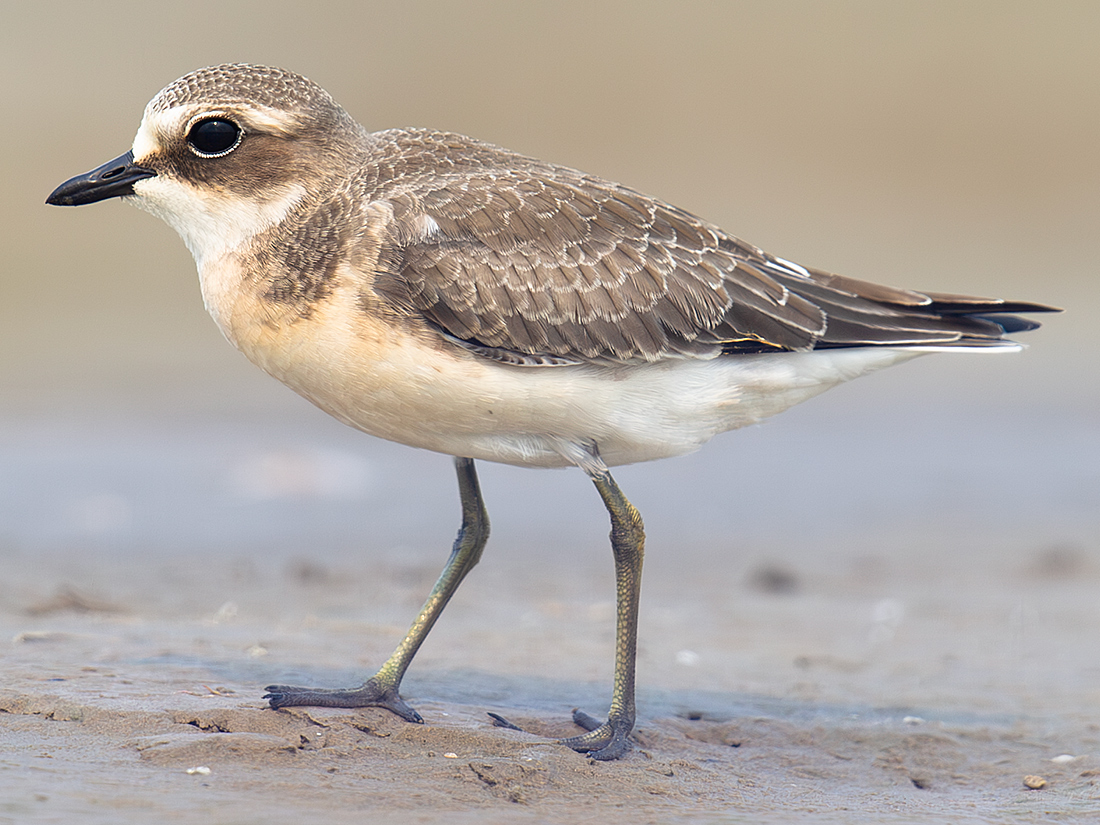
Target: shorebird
{"x": 448, "y": 294}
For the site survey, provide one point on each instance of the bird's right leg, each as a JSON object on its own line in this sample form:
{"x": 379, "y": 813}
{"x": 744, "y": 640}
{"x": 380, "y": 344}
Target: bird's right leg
{"x": 381, "y": 690}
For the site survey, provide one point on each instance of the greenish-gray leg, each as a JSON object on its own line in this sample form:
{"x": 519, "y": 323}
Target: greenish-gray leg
{"x": 382, "y": 689}
{"x": 609, "y": 740}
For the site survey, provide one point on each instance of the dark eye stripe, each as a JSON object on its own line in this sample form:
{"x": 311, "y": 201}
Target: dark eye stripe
{"x": 214, "y": 137}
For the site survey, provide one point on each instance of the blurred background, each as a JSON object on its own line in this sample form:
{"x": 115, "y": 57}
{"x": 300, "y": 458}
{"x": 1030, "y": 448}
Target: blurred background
{"x": 936, "y": 145}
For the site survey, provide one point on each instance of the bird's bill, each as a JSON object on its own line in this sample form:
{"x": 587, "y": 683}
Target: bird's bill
{"x": 114, "y": 179}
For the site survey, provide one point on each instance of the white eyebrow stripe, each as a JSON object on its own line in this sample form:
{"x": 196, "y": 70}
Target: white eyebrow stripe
{"x": 161, "y": 122}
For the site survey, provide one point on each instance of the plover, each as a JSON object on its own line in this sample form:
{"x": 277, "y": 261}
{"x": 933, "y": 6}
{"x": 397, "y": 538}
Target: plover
{"x": 448, "y": 294}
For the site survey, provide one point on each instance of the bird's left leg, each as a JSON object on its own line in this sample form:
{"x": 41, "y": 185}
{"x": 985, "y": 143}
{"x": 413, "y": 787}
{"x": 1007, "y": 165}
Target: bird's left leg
{"x": 609, "y": 740}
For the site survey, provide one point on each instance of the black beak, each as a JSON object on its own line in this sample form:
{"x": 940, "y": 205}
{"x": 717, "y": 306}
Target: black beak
{"x": 114, "y": 179}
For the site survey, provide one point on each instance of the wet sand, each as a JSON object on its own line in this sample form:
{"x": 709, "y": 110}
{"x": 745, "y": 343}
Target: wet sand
{"x": 800, "y": 671}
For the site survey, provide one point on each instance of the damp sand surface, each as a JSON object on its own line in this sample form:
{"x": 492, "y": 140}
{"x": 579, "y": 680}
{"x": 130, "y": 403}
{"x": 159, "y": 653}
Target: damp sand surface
{"x": 829, "y": 668}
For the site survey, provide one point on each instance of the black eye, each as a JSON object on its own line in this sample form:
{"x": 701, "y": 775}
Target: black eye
{"x": 214, "y": 137}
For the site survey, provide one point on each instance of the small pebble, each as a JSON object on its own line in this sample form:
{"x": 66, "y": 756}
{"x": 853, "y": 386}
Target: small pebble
{"x": 450, "y": 756}
{"x": 1034, "y": 782}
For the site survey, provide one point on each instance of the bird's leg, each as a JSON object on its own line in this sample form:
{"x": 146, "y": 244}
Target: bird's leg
{"x": 609, "y": 739}
{"x": 381, "y": 690}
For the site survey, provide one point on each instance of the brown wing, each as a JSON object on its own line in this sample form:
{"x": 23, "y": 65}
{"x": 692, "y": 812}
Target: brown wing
{"x": 512, "y": 254}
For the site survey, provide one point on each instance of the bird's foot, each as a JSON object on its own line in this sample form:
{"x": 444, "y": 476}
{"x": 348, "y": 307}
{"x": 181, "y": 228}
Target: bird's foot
{"x": 603, "y": 742}
{"x": 368, "y": 695}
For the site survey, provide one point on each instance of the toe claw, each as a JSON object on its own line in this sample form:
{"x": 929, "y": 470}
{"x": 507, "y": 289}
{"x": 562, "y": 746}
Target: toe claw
{"x": 276, "y": 695}
{"x": 500, "y": 722}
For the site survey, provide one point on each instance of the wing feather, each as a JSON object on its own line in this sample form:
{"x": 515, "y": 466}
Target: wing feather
{"x": 552, "y": 266}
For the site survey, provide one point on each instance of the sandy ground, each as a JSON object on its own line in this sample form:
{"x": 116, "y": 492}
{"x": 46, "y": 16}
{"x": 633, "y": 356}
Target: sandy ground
{"x": 804, "y": 671}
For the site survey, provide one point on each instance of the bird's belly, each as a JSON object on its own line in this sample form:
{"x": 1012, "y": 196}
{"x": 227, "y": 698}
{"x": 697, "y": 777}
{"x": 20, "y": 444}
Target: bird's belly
{"x": 432, "y": 395}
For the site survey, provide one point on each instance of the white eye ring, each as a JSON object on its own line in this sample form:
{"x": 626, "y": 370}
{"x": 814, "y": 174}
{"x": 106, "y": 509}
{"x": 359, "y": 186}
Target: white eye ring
{"x": 214, "y": 137}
